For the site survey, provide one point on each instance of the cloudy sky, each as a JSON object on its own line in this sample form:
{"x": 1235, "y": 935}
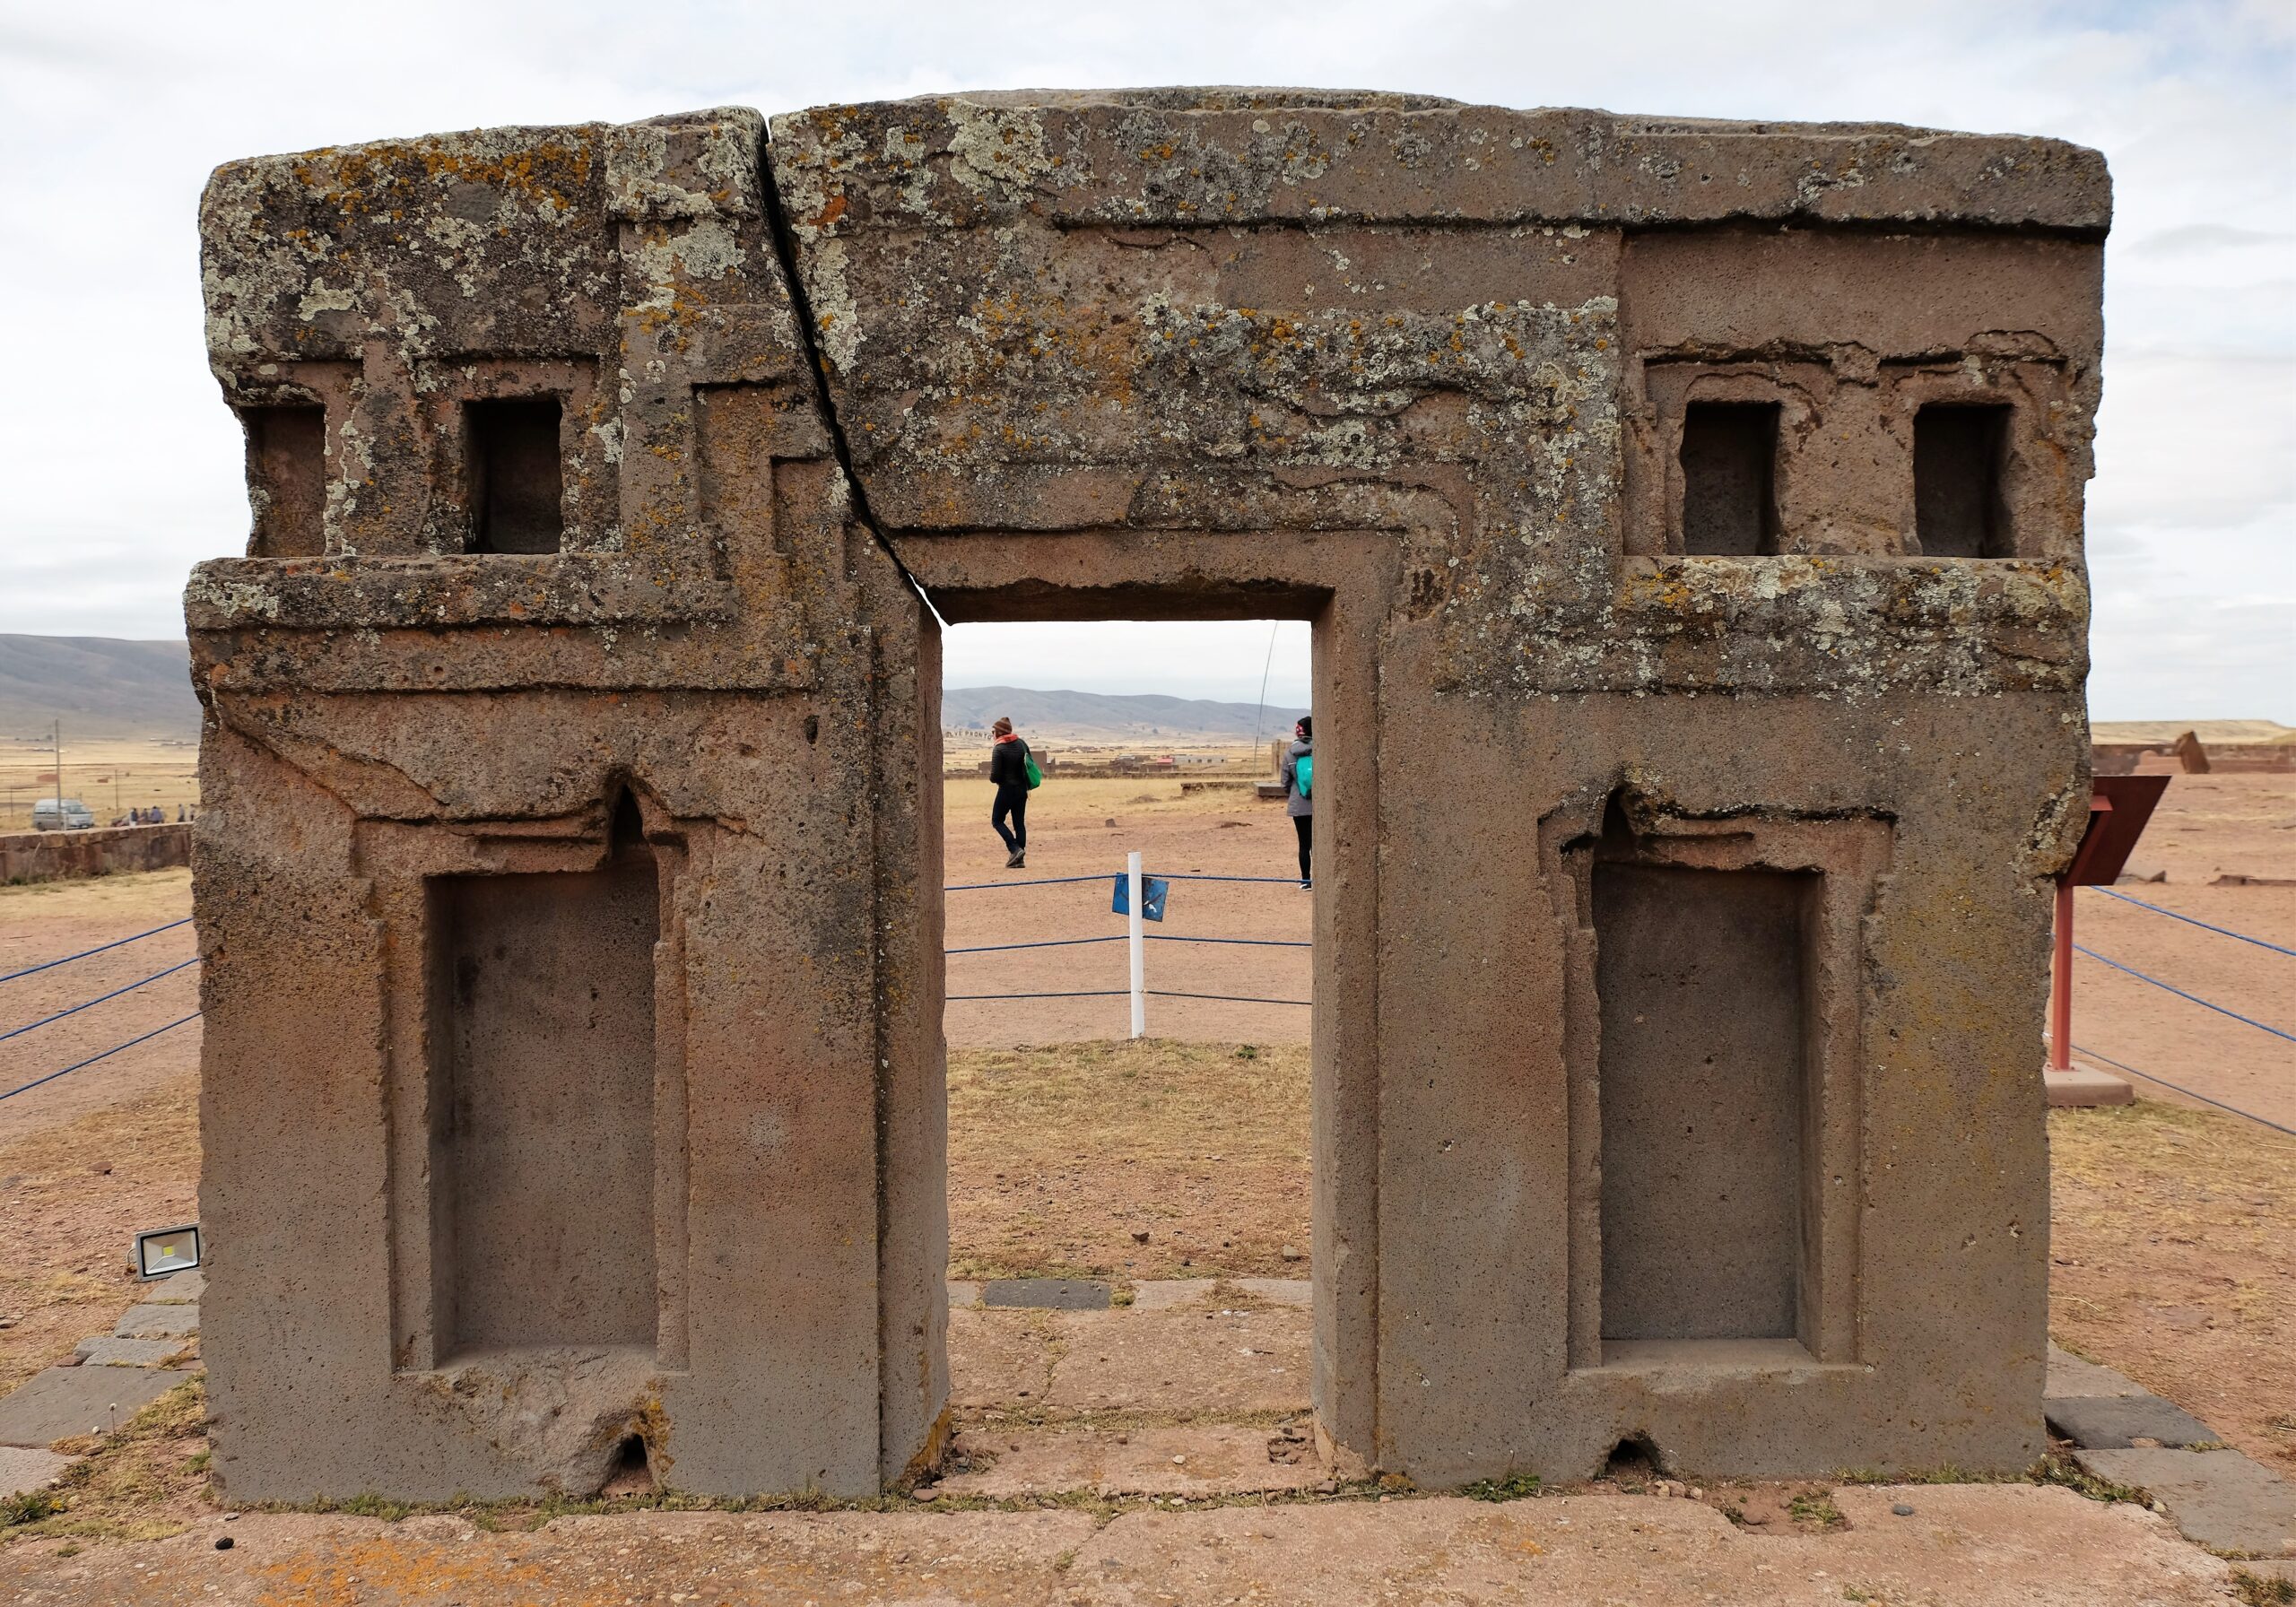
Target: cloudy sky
{"x": 122, "y": 467}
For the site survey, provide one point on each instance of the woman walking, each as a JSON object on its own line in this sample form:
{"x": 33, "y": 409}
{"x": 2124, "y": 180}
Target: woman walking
{"x": 1008, "y": 770}
{"x": 1299, "y": 800}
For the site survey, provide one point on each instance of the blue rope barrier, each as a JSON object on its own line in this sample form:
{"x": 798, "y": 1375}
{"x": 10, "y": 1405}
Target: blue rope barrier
{"x": 2188, "y": 920}
{"x": 2180, "y": 993}
{"x": 99, "y": 948}
{"x": 1263, "y": 943}
{"x": 90, "y": 1004}
{"x": 1200, "y": 876}
{"x": 1047, "y": 943}
{"x": 974, "y": 886}
{"x": 2188, "y": 1093}
{"x": 1104, "y": 993}
{"x": 107, "y": 1054}
{"x": 1158, "y": 992}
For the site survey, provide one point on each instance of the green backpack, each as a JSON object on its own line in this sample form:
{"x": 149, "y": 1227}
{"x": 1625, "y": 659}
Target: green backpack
{"x": 1028, "y": 764}
{"x": 1303, "y": 775}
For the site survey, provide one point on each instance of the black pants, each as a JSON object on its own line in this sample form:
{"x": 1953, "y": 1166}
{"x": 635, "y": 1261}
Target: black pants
{"x": 1305, "y": 825}
{"x": 1012, "y": 801}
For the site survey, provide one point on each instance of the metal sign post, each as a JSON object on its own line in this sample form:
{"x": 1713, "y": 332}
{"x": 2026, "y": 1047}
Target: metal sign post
{"x": 1137, "y": 940}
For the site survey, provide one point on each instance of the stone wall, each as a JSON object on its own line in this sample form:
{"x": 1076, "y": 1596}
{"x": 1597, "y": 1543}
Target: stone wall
{"x": 1699, "y": 502}
{"x": 107, "y": 850}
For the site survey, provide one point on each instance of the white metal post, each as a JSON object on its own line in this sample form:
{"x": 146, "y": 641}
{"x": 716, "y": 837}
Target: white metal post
{"x": 1137, "y": 938}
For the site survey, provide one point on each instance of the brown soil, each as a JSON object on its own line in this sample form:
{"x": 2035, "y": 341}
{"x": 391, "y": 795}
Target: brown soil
{"x": 2207, "y": 827}
{"x": 71, "y": 1198}
{"x": 2174, "y": 1250}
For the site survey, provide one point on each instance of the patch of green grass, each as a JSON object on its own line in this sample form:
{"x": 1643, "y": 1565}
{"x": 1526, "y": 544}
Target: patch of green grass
{"x": 26, "y": 1507}
{"x": 1514, "y": 1487}
{"x": 1814, "y": 1508}
{"x": 2056, "y": 1468}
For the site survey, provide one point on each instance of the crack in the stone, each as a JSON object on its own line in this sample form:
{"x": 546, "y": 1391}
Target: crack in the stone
{"x": 784, "y": 250}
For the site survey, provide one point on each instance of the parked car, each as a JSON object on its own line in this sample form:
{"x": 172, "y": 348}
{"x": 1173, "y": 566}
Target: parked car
{"x": 62, "y": 814}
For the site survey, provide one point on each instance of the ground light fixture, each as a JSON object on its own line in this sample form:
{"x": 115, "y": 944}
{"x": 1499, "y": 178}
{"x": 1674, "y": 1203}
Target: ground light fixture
{"x": 159, "y": 1251}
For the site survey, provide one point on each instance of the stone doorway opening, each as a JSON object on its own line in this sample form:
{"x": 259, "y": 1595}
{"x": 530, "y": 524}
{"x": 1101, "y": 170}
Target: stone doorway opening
{"x": 1134, "y": 1223}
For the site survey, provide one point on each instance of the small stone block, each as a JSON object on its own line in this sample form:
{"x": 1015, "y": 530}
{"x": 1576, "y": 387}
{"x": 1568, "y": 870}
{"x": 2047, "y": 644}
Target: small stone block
{"x": 2217, "y": 1499}
{"x": 104, "y": 1351}
{"x": 65, "y": 1401}
{"x": 1279, "y": 1292}
{"x": 158, "y": 1322}
{"x": 1165, "y": 1294}
{"x": 2068, "y": 1374}
{"x": 964, "y": 1295}
{"x": 2084, "y": 1088}
{"x": 2116, "y": 1423}
{"x": 21, "y": 1470}
{"x": 177, "y": 1289}
{"x": 1051, "y": 1294}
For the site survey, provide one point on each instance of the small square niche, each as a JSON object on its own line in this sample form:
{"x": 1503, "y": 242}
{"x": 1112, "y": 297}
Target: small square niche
{"x": 516, "y": 485}
{"x": 1730, "y": 457}
{"x": 1959, "y": 454}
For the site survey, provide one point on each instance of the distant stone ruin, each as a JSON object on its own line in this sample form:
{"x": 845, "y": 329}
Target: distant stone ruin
{"x": 1690, "y": 518}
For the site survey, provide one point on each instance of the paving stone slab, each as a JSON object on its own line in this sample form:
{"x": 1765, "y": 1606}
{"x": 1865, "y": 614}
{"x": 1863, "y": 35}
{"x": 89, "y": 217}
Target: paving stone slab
{"x": 65, "y": 1401}
{"x": 1197, "y": 1459}
{"x": 2084, "y": 1088}
{"x": 177, "y": 1289}
{"x": 1163, "y": 1294}
{"x": 962, "y": 1295}
{"x": 1047, "y": 1294}
{"x": 22, "y": 1469}
{"x": 158, "y": 1322}
{"x": 1279, "y": 1292}
{"x": 2116, "y": 1423}
{"x": 105, "y": 1350}
{"x": 2220, "y": 1499}
{"x": 2068, "y": 1375}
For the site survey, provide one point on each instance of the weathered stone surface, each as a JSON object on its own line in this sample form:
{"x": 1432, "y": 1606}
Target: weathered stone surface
{"x": 66, "y": 1401}
{"x": 1050, "y": 1294}
{"x": 107, "y": 1352}
{"x": 22, "y": 1469}
{"x": 151, "y": 1320}
{"x": 1198, "y": 1460}
{"x": 177, "y": 1289}
{"x": 1421, "y": 373}
{"x": 2109, "y": 1423}
{"x": 2069, "y": 1375}
{"x": 2220, "y": 1499}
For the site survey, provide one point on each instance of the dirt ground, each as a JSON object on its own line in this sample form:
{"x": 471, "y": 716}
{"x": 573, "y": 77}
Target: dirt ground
{"x": 1147, "y": 1159}
{"x": 2207, "y": 827}
{"x": 1227, "y": 832}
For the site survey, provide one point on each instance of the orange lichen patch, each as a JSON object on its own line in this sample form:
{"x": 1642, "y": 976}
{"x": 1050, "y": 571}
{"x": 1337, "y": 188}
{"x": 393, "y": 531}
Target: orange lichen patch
{"x": 353, "y": 179}
{"x": 351, "y": 1571}
{"x": 832, "y": 209}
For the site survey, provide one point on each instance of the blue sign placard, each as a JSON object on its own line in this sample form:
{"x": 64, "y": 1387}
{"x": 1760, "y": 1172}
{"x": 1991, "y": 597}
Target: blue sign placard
{"x": 1152, "y": 897}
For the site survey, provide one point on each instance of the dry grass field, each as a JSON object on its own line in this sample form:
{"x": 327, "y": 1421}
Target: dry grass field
{"x": 109, "y": 775}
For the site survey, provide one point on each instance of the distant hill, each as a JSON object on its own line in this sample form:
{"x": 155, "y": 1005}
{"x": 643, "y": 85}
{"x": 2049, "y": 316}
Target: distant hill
{"x": 1082, "y": 717}
{"x": 97, "y": 685}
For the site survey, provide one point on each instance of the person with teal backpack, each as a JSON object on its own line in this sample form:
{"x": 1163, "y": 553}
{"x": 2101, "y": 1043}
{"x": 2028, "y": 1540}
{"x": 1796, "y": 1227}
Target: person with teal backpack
{"x": 1298, "y": 792}
{"x": 1014, "y": 771}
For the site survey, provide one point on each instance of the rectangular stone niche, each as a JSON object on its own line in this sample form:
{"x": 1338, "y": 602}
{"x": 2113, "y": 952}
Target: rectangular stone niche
{"x": 1729, "y": 457}
{"x": 517, "y": 483}
{"x": 544, "y": 1107}
{"x": 287, "y": 480}
{"x": 1701, "y": 977}
{"x": 1960, "y": 452}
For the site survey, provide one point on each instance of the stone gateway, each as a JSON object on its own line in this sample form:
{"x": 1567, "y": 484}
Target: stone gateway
{"x": 1690, "y": 518}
